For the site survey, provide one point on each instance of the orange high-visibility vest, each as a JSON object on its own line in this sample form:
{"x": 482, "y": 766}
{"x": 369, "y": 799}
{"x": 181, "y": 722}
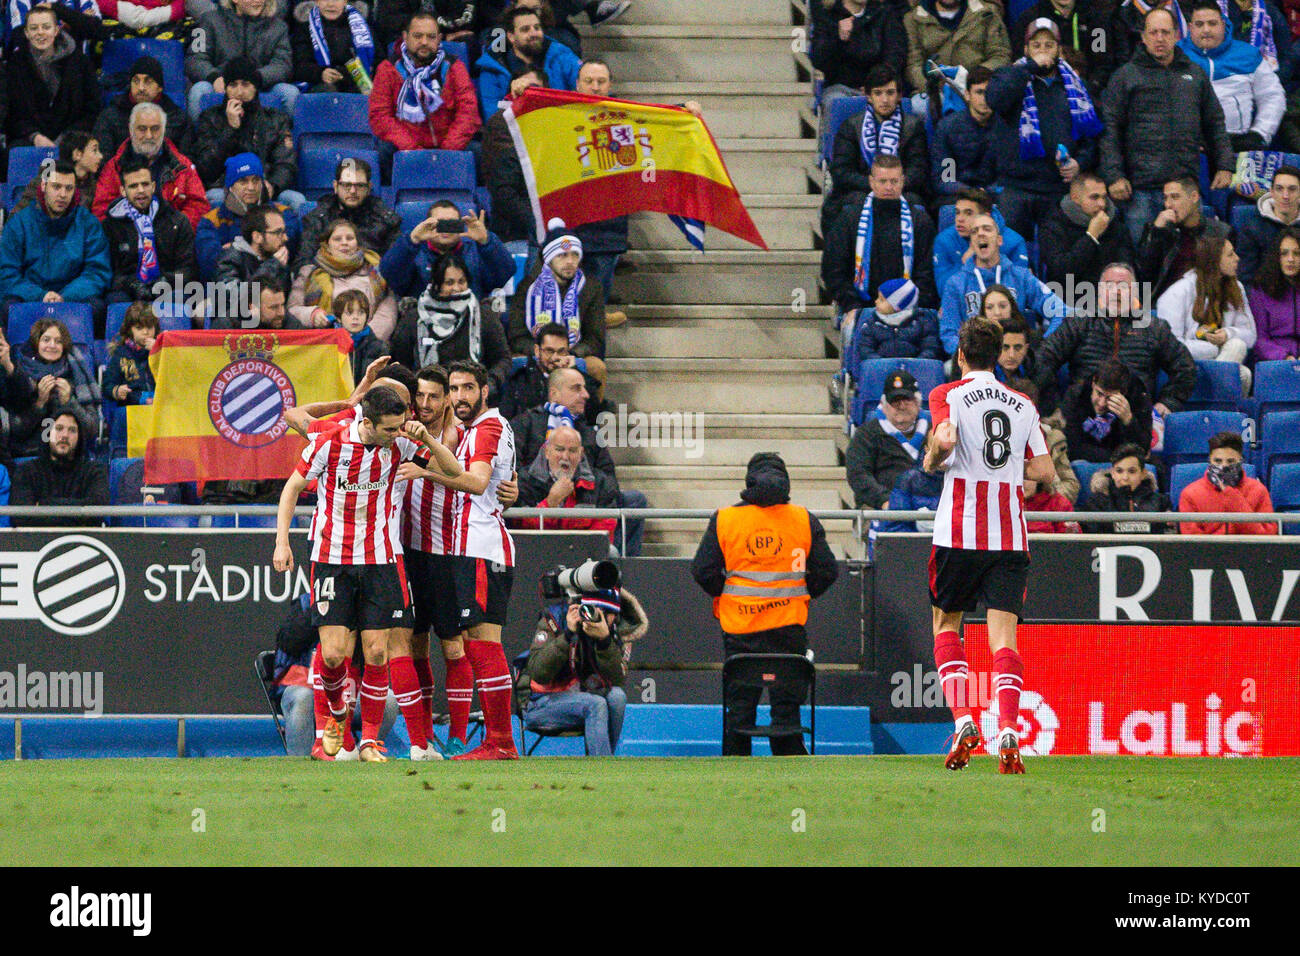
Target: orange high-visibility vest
{"x": 765, "y": 551}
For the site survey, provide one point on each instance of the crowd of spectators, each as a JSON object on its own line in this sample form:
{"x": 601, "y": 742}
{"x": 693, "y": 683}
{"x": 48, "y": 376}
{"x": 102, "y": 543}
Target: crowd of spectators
{"x": 1081, "y": 161}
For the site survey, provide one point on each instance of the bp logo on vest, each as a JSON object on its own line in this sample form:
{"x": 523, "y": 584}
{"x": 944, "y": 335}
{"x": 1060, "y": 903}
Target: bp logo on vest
{"x": 247, "y": 398}
{"x": 74, "y": 585}
{"x": 764, "y": 543}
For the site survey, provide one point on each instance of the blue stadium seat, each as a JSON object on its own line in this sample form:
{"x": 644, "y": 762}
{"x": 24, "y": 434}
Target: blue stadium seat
{"x": 316, "y": 168}
{"x": 426, "y": 173}
{"x": 25, "y": 163}
{"x": 1187, "y": 434}
{"x": 1279, "y": 440}
{"x": 116, "y": 313}
{"x": 1242, "y": 215}
{"x": 1277, "y": 386}
{"x": 1284, "y": 489}
{"x": 1218, "y": 386}
{"x": 1182, "y": 475}
{"x": 871, "y": 382}
{"x": 116, "y": 468}
{"x": 99, "y": 354}
{"x": 76, "y": 316}
{"x": 120, "y": 54}
{"x": 947, "y": 216}
{"x": 841, "y": 110}
{"x": 269, "y": 98}
{"x": 333, "y": 121}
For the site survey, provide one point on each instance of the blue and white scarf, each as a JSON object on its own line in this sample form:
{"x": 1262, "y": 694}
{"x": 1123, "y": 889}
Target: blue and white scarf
{"x": 362, "y": 42}
{"x": 862, "y": 249}
{"x": 558, "y": 416}
{"x": 1180, "y": 21}
{"x": 913, "y": 445}
{"x": 146, "y": 248}
{"x": 1083, "y": 116}
{"x": 545, "y": 304}
{"x": 1261, "y": 30}
{"x": 421, "y": 93}
{"x": 885, "y": 138}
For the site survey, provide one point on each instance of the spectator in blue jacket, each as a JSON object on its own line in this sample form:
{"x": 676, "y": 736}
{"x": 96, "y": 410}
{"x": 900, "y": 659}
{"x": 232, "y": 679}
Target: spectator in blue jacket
{"x": 964, "y": 293}
{"x": 896, "y": 327}
{"x": 915, "y": 490}
{"x": 408, "y": 264}
{"x": 245, "y": 188}
{"x": 526, "y": 46}
{"x": 961, "y": 150}
{"x": 54, "y": 250}
{"x": 952, "y": 247}
{"x": 1042, "y": 105}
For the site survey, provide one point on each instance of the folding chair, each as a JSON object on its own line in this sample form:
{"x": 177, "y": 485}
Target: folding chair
{"x": 264, "y": 668}
{"x": 518, "y": 704}
{"x": 764, "y": 672}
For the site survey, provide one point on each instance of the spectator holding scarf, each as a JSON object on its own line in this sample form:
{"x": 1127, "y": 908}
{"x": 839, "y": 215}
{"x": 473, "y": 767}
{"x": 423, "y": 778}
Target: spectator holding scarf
{"x": 423, "y": 98}
{"x": 333, "y": 48}
{"x": 559, "y": 292}
{"x": 1043, "y": 108}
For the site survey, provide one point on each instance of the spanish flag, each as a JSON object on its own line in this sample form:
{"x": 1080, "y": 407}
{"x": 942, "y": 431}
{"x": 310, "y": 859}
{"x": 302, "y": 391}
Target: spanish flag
{"x": 220, "y": 396}
{"x": 588, "y": 158}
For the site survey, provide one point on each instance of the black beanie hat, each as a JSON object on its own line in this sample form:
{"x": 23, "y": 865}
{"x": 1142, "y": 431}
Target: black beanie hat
{"x": 766, "y": 480}
{"x": 148, "y": 66}
{"x": 241, "y": 68}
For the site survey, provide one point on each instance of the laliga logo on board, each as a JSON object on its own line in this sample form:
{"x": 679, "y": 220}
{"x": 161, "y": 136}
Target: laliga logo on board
{"x": 1037, "y": 728}
{"x": 74, "y": 585}
{"x": 247, "y": 399}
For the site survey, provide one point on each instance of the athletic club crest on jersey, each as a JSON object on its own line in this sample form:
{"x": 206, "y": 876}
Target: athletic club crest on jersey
{"x": 248, "y": 397}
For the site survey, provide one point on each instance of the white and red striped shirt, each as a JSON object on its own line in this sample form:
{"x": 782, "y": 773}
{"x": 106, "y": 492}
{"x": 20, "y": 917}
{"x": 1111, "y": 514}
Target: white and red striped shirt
{"x": 479, "y": 530}
{"x": 427, "y": 517}
{"x": 983, "y": 501}
{"x": 355, "y": 521}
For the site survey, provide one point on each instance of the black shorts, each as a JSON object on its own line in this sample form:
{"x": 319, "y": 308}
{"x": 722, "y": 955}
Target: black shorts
{"x": 360, "y": 597}
{"x": 961, "y": 579}
{"x": 433, "y": 593}
{"x": 482, "y": 591}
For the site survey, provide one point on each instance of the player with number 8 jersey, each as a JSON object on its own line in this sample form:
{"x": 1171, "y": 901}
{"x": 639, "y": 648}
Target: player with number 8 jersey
{"x": 986, "y": 438}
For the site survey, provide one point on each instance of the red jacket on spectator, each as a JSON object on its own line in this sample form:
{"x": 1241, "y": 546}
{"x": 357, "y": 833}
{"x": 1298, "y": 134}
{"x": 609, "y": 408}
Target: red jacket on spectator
{"x": 1248, "y": 497}
{"x": 179, "y": 184}
{"x": 451, "y": 127}
{"x": 1050, "y": 501}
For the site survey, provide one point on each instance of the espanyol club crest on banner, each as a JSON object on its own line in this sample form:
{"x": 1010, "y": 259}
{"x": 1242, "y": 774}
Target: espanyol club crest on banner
{"x": 248, "y": 397}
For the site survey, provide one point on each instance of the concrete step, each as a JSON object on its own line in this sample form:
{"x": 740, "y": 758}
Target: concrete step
{"x": 684, "y": 494}
{"x": 743, "y": 113}
{"x": 672, "y": 334}
{"x": 652, "y": 438}
{"x": 669, "y": 12}
{"x": 784, "y": 220}
{"x": 680, "y": 538}
{"x": 771, "y": 165}
{"x": 723, "y": 385}
{"x": 733, "y": 277}
{"x": 694, "y": 53}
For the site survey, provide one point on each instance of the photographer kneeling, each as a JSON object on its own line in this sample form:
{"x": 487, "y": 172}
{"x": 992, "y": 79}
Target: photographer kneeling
{"x": 576, "y": 674}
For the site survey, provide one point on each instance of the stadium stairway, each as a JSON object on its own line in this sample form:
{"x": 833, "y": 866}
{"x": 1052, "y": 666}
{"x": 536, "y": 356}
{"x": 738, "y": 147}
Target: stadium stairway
{"x": 734, "y": 338}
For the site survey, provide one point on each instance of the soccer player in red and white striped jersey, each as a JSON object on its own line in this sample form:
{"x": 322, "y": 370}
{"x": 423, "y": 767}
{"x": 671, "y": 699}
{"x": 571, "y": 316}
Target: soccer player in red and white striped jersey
{"x": 987, "y": 439}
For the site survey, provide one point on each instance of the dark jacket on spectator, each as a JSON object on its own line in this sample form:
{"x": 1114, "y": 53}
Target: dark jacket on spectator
{"x": 495, "y": 354}
{"x": 1065, "y": 248}
{"x": 849, "y": 171}
{"x": 240, "y": 263}
{"x": 1077, "y": 407}
{"x": 222, "y": 226}
{"x": 530, "y": 430}
{"x": 591, "y": 309}
{"x": 873, "y": 464}
{"x": 48, "y": 481}
{"x": 1158, "y": 119}
{"x": 886, "y": 253}
{"x": 877, "y": 37}
{"x": 1006, "y": 97}
{"x": 1106, "y": 497}
{"x": 173, "y": 239}
{"x": 113, "y": 128}
{"x": 338, "y": 40}
{"x": 377, "y": 225}
{"x": 1157, "y": 253}
{"x": 178, "y": 182}
{"x": 34, "y": 109}
{"x": 591, "y": 489}
{"x": 128, "y": 365}
{"x": 960, "y": 141}
{"x": 1090, "y": 39}
{"x": 366, "y": 347}
{"x": 1083, "y": 343}
{"x": 227, "y": 34}
{"x": 1255, "y": 237}
{"x": 512, "y": 211}
{"x": 264, "y": 131}
{"x": 17, "y": 393}
{"x": 884, "y": 336}
{"x": 527, "y": 387}
{"x": 406, "y": 267}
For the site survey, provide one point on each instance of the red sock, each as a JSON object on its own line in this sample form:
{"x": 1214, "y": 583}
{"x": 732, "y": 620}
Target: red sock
{"x": 460, "y": 690}
{"x": 374, "y": 694}
{"x": 950, "y": 657}
{"x": 406, "y": 687}
{"x": 424, "y": 674}
{"x": 492, "y": 674}
{"x": 1008, "y": 678}
{"x": 332, "y": 680}
{"x": 319, "y": 700}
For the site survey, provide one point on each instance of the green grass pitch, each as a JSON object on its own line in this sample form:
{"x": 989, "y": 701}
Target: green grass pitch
{"x": 824, "y": 810}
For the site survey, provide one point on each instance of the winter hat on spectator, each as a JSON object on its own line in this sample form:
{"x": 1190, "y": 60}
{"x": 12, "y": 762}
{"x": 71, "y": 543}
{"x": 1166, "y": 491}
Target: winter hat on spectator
{"x": 900, "y": 293}
{"x": 559, "y": 238}
{"x": 609, "y": 599}
{"x": 148, "y": 66}
{"x": 241, "y": 68}
{"x": 1040, "y": 24}
{"x": 900, "y": 384}
{"x": 766, "y": 480}
{"x": 241, "y": 165}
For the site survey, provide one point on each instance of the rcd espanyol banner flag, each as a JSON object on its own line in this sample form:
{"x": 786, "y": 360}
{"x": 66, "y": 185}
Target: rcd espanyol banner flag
{"x": 220, "y": 397}
{"x": 588, "y": 158}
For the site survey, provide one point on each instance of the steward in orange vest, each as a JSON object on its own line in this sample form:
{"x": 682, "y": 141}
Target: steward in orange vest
{"x": 762, "y": 561}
